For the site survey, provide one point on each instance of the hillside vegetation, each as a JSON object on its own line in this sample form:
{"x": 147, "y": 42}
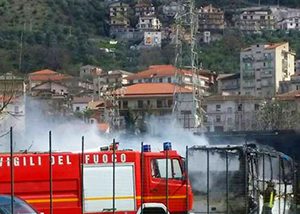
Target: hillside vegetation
{"x": 65, "y": 34}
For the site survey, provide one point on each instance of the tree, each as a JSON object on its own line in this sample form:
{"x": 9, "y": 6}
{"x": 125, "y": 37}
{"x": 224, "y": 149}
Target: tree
{"x": 278, "y": 115}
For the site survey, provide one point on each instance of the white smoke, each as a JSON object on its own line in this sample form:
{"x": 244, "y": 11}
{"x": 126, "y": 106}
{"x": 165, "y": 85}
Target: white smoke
{"x": 66, "y": 134}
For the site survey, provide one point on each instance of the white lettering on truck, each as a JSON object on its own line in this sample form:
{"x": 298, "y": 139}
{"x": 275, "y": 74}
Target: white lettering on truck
{"x": 60, "y": 160}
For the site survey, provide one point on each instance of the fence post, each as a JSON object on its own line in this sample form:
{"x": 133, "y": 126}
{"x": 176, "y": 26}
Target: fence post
{"x": 11, "y": 171}
{"x": 142, "y": 176}
{"x": 187, "y": 177}
{"x": 207, "y": 177}
{"x": 114, "y": 176}
{"x": 227, "y": 183}
{"x": 50, "y": 172}
{"x": 82, "y": 174}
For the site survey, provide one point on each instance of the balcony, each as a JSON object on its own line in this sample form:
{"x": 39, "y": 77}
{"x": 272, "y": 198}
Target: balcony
{"x": 230, "y": 87}
{"x": 248, "y": 75}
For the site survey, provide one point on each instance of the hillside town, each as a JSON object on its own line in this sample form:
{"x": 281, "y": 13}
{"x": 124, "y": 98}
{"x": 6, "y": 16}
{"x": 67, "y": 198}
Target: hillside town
{"x": 143, "y": 106}
{"x": 200, "y": 100}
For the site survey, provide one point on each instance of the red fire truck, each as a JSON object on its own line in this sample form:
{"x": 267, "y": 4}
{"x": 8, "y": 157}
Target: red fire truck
{"x": 121, "y": 181}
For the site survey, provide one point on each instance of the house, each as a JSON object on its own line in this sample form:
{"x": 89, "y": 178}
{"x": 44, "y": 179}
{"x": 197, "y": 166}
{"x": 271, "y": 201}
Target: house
{"x": 110, "y": 80}
{"x": 255, "y": 19}
{"x": 172, "y": 8}
{"x": 89, "y": 71}
{"x": 211, "y": 19}
{"x": 80, "y": 104}
{"x": 229, "y": 84}
{"x": 49, "y": 89}
{"x": 54, "y": 97}
{"x": 119, "y": 19}
{"x": 286, "y": 18}
{"x": 263, "y": 66}
{"x": 12, "y": 115}
{"x": 11, "y": 83}
{"x": 170, "y": 74}
{"x": 144, "y": 9}
{"x": 231, "y": 113}
{"x": 38, "y": 77}
{"x": 149, "y": 23}
{"x": 145, "y": 99}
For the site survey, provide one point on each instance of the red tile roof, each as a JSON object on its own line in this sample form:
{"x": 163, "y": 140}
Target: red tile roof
{"x": 274, "y": 45}
{"x": 46, "y": 75}
{"x": 292, "y": 95}
{"x": 158, "y": 71}
{"x": 151, "y": 89}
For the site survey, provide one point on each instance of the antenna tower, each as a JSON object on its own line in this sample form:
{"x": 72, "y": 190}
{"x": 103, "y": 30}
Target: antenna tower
{"x": 190, "y": 19}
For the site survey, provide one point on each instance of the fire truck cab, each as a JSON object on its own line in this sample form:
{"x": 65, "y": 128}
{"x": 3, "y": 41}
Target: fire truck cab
{"x": 119, "y": 181}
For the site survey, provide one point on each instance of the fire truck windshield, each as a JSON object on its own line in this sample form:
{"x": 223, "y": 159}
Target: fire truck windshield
{"x": 159, "y": 168}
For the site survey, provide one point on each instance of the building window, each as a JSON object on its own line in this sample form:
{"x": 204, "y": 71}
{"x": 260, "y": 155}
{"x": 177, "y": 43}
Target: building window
{"x": 229, "y": 121}
{"x": 170, "y": 103}
{"x": 240, "y": 107}
{"x": 125, "y": 104}
{"x": 160, "y": 80}
{"x": 256, "y": 107}
{"x": 140, "y": 103}
{"x": 218, "y": 118}
{"x": 169, "y": 79}
{"x": 77, "y": 108}
{"x": 218, "y": 107}
{"x": 158, "y": 103}
{"x": 229, "y": 109}
{"x": 16, "y": 109}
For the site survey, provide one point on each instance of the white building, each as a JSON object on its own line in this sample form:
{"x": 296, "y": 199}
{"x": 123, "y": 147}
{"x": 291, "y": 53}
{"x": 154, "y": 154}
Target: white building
{"x": 147, "y": 23}
{"x": 263, "y": 66}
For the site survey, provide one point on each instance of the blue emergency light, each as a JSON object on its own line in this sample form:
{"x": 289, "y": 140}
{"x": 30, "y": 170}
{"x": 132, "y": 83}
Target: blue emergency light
{"x": 167, "y": 146}
{"x": 146, "y": 148}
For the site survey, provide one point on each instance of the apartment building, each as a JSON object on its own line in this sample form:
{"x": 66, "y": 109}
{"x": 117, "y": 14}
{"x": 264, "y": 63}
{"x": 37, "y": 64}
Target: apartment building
{"x": 255, "y": 19}
{"x": 118, "y": 14}
{"x": 211, "y": 19}
{"x": 263, "y": 66}
{"x": 231, "y": 113}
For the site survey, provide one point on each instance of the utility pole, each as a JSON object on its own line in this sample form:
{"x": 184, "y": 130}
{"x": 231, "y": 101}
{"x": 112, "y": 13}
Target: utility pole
{"x": 197, "y": 95}
{"x": 21, "y": 49}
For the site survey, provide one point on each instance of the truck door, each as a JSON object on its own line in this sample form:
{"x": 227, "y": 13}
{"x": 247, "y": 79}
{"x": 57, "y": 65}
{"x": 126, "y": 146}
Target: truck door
{"x": 167, "y": 185}
{"x": 98, "y": 187}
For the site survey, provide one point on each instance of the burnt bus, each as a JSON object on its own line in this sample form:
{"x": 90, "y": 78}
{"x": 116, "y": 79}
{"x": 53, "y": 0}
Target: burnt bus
{"x": 232, "y": 179}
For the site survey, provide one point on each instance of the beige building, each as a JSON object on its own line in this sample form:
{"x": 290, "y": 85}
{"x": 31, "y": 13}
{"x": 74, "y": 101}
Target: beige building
{"x": 155, "y": 99}
{"x": 211, "y": 19}
{"x": 255, "y": 19}
{"x": 231, "y": 113}
{"x": 263, "y": 66}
